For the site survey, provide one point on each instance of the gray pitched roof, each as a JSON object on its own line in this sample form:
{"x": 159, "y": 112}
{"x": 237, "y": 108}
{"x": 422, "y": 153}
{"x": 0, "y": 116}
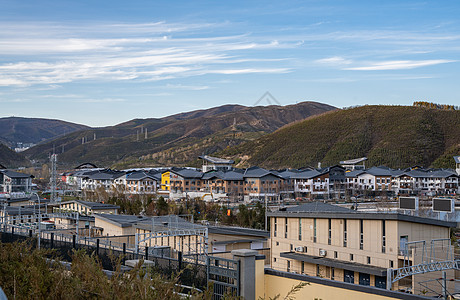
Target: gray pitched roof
{"x": 139, "y": 175}
{"x": 353, "y": 173}
{"x": 457, "y": 159}
{"x": 14, "y": 174}
{"x": 306, "y": 174}
{"x": 187, "y": 173}
{"x": 257, "y": 172}
{"x": 106, "y": 175}
{"x": 377, "y": 171}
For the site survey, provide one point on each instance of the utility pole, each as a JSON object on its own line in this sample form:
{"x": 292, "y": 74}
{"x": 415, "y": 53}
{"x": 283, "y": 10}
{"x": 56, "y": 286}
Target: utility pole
{"x": 53, "y": 160}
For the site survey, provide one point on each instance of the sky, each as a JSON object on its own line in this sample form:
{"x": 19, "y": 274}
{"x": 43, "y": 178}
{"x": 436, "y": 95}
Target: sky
{"x": 100, "y": 63}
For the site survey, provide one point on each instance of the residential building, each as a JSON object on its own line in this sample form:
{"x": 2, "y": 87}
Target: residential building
{"x": 375, "y": 179}
{"x": 340, "y": 244}
{"x": 103, "y": 179}
{"x": 320, "y": 183}
{"x": 87, "y": 207}
{"x": 230, "y": 183}
{"x": 140, "y": 182}
{"x": 180, "y": 180}
{"x": 429, "y": 182}
{"x": 261, "y": 184}
{"x": 15, "y": 182}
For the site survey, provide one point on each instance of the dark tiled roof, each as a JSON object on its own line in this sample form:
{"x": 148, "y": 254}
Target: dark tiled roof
{"x": 106, "y": 175}
{"x": 306, "y": 174}
{"x": 353, "y": 173}
{"x": 139, "y": 175}
{"x": 377, "y": 171}
{"x": 187, "y": 173}
{"x": 14, "y": 174}
{"x": 257, "y": 172}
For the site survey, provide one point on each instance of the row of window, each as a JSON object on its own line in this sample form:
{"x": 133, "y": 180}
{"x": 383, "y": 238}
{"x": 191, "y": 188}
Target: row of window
{"x": 329, "y": 239}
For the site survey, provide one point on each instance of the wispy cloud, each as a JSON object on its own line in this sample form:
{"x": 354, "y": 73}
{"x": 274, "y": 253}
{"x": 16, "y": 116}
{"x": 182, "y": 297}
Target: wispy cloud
{"x": 399, "y": 65}
{"x": 142, "y": 52}
{"x": 334, "y": 61}
{"x": 187, "y": 87}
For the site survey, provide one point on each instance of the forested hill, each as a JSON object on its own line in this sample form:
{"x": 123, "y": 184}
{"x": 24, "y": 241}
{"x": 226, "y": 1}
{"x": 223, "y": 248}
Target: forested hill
{"x": 395, "y": 136}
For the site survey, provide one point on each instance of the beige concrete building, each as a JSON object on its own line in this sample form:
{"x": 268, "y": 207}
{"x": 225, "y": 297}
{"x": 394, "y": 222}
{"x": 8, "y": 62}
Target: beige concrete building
{"x": 336, "y": 243}
{"x": 87, "y": 207}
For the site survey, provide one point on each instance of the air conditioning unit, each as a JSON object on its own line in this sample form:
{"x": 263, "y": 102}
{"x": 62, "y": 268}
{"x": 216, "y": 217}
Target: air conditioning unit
{"x": 299, "y": 249}
{"x": 322, "y": 252}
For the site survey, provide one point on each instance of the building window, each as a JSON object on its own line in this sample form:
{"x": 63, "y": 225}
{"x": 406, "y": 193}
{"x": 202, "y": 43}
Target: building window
{"x": 391, "y": 264}
{"x": 345, "y": 232}
{"x": 368, "y": 260}
{"x": 274, "y": 259}
{"x": 348, "y": 276}
{"x": 302, "y": 270}
{"x": 291, "y": 247}
{"x": 383, "y": 237}
{"x": 361, "y": 234}
{"x": 289, "y": 266}
{"x": 277, "y": 243}
{"x": 332, "y": 273}
{"x": 314, "y": 230}
{"x": 364, "y": 279}
{"x": 351, "y": 256}
{"x": 285, "y": 228}
{"x": 300, "y": 229}
{"x": 305, "y": 249}
{"x": 336, "y": 254}
{"x": 275, "y": 227}
{"x": 329, "y": 237}
{"x": 318, "y": 271}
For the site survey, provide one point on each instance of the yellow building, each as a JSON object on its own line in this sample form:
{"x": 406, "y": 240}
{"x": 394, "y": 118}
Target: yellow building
{"x": 332, "y": 242}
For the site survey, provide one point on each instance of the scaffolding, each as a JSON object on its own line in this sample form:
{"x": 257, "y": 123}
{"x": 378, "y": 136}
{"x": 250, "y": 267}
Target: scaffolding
{"x": 438, "y": 256}
{"x": 188, "y": 238}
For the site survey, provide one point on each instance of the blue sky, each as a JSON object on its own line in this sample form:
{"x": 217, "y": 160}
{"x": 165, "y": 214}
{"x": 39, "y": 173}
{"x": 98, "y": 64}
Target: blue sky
{"x": 105, "y": 62}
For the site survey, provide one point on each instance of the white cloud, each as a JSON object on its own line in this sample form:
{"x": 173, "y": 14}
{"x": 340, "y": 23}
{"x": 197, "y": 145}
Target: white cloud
{"x": 106, "y": 52}
{"x": 399, "y": 65}
{"x": 187, "y": 87}
{"x": 334, "y": 61}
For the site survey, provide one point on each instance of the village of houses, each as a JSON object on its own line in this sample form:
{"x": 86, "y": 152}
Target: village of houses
{"x": 320, "y": 229}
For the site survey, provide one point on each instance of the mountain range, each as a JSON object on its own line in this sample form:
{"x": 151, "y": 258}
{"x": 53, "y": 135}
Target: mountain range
{"x": 15, "y": 130}
{"x": 174, "y": 140}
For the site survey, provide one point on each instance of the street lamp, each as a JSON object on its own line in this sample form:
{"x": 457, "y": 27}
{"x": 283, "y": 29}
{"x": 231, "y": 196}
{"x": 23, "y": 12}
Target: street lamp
{"x": 39, "y": 219}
